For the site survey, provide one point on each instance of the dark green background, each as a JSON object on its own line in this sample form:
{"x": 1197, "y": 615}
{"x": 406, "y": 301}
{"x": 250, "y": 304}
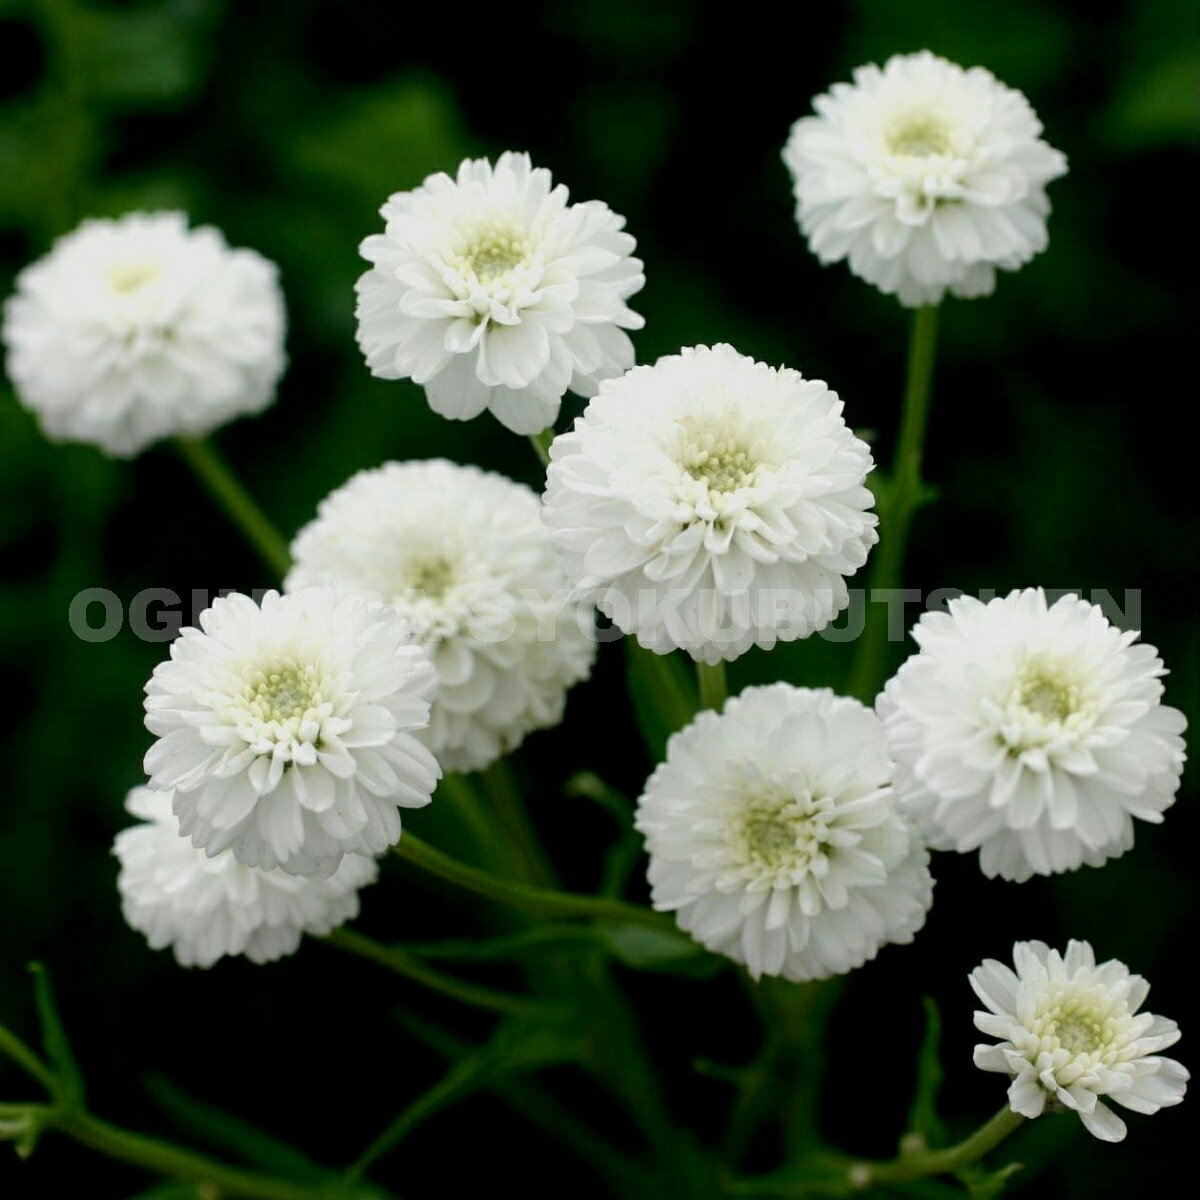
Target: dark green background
{"x": 1061, "y": 442}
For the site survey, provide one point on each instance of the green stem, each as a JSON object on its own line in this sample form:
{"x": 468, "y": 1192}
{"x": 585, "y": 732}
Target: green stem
{"x": 412, "y": 968}
{"x": 942, "y": 1162}
{"x": 520, "y": 895}
{"x": 464, "y": 798}
{"x": 541, "y": 444}
{"x": 510, "y": 808}
{"x": 13, "y": 1048}
{"x": 460, "y": 1078}
{"x": 903, "y": 495}
{"x": 711, "y": 681}
{"x": 853, "y": 1178}
{"x": 163, "y": 1158}
{"x": 239, "y": 505}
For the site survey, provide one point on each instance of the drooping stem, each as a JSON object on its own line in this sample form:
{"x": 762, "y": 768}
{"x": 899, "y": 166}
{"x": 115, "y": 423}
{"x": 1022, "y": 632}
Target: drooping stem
{"x": 241, "y": 508}
{"x": 413, "y": 968}
{"x": 711, "y": 681}
{"x": 903, "y": 495}
{"x": 524, "y": 896}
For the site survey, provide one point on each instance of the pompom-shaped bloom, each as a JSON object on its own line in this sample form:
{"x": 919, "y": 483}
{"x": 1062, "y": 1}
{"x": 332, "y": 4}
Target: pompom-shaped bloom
{"x": 288, "y": 732}
{"x": 493, "y": 291}
{"x": 774, "y": 839}
{"x": 1033, "y": 733}
{"x": 925, "y": 177}
{"x": 205, "y": 908}
{"x": 138, "y": 329}
{"x": 1071, "y": 1033}
{"x": 461, "y": 554}
{"x": 712, "y": 503}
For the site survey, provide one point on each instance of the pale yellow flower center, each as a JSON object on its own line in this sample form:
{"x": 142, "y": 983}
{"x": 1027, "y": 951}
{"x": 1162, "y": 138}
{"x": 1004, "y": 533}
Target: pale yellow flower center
{"x": 495, "y": 252}
{"x": 920, "y": 135}
{"x": 131, "y": 277}
{"x": 284, "y": 693}
{"x": 775, "y": 833}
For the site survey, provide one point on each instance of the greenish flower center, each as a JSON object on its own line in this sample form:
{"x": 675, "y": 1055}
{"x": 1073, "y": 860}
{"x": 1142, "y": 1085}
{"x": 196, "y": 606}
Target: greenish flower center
{"x": 495, "y": 253}
{"x": 920, "y": 136}
{"x": 1047, "y": 696}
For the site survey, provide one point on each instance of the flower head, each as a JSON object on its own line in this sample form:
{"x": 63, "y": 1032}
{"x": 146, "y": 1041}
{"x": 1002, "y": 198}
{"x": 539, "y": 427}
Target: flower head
{"x": 138, "y": 329}
{"x": 205, "y": 908}
{"x": 924, "y": 176}
{"x": 774, "y": 839}
{"x": 1031, "y": 732}
{"x": 461, "y": 554}
{"x": 288, "y": 732}
{"x": 711, "y": 503}
{"x": 1071, "y": 1033}
{"x": 493, "y": 291}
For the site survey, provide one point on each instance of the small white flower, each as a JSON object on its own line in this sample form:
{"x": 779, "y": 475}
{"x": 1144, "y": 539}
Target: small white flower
{"x": 924, "y": 176}
{"x": 1033, "y": 733}
{"x": 774, "y": 839}
{"x": 1071, "y": 1033}
{"x": 205, "y": 908}
{"x": 711, "y": 503}
{"x": 461, "y": 554}
{"x": 494, "y": 292}
{"x": 289, "y": 733}
{"x": 138, "y": 329}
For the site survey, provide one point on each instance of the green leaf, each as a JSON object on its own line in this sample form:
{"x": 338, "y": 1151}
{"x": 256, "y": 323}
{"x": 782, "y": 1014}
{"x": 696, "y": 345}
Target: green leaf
{"x": 662, "y": 951}
{"x": 663, "y": 694}
{"x": 225, "y": 1131}
{"x": 923, "y": 1117}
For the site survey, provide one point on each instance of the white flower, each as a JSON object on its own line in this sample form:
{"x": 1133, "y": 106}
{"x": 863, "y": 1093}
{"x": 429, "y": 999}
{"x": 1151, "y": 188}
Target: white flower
{"x": 774, "y": 839}
{"x": 494, "y": 292}
{"x": 1031, "y": 733}
{"x": 712, "y": 503}
{"x": 205, "y": 908}
{"x": 461, "y": 554}
{"x": 1071, "y": 1033}
{"x": 288, "y": 732}
{"x": 138, "y": 329}
{"x": 925, "y": 177}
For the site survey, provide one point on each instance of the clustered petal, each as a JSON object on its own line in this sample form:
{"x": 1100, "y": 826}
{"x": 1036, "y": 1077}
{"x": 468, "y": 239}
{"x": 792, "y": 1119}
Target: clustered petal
{"x": 493, "y": 291}
{"x": 138, "y": 329}
{"x": 711, "y": 503}
{"x": 924, "y": 177}
{"x": 289, "y": 732}
{"x": 774, "y": 838}
{"x": 205, "y": 908}
{"x": 1071, "y": 1033}
{"x": 1032, "y": 732}
{"x": 461, "y": 554}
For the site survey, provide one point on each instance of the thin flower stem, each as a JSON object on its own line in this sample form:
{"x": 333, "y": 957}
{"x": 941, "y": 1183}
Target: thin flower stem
{"x": 462, "y": 1077}
{"x": 14, "y": 1049}
{"x": 711, "y": 682}
{"x": 414, "y": 969}
{"x": 238, "y": 504}
{"x": 851, "y": 1177}
{"x": 520, "y": 895}
{"x": 902, "y": 496}
{"x": 541, "y": 444}
{"x": 164, "y": 1158}
{"x": 942, "y": 1162}
{"x": 510, "y": 808}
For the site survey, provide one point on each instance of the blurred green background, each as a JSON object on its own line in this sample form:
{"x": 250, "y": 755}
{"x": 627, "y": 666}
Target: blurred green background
{"x": 1057, "y": 444}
